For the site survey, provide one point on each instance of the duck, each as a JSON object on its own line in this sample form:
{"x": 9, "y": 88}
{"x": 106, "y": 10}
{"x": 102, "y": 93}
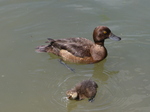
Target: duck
{"x": 79, "y": 49}
{"x": 82, "y": 90}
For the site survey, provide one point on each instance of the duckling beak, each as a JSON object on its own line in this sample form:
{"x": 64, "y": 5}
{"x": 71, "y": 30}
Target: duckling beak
{"x": 114, "y": 37}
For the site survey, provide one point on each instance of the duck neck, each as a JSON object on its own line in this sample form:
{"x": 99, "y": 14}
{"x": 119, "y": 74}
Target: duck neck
{"x": 101, "y": 43}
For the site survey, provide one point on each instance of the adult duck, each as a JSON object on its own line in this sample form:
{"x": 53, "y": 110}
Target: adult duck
{"x": 80, "y": 50}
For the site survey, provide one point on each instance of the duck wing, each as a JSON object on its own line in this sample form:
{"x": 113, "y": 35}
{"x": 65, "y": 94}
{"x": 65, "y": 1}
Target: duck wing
{"x": 79, "y": 47}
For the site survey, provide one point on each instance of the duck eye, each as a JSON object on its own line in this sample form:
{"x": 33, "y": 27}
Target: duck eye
{"x": 104, "y": 32}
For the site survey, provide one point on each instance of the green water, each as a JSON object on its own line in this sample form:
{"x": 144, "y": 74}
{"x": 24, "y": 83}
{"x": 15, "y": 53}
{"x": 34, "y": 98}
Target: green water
{"x": 37, "y": 82}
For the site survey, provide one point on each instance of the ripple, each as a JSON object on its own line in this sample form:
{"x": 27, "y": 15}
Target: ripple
{"x": 59, "y": 95}
{"x": 109, "y": 95}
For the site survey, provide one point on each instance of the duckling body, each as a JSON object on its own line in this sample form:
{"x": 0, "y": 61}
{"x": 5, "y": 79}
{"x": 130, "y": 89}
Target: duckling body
{"x": 80, "y": 50}
{"x": 85, "y": 89}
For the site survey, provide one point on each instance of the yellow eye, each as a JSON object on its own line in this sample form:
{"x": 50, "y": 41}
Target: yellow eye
{"x": 104, "y": 32}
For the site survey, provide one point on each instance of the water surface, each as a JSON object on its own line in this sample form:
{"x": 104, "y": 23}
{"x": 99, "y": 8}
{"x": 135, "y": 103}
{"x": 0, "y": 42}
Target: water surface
{"x": 33, "y": 82}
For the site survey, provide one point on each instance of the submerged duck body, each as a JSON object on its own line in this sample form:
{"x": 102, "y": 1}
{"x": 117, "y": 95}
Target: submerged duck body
{"x": 80, "y": 50}
{"x": 85, "y": 89}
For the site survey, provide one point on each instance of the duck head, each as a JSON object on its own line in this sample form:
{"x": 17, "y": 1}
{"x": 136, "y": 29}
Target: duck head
{"x": 101, "y": 33}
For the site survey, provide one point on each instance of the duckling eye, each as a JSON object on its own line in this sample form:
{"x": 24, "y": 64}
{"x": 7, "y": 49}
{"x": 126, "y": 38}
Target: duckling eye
{"x": 104, "y": 32}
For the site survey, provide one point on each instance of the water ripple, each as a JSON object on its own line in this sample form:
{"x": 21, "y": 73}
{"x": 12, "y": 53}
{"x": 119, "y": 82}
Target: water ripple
{"x": 109, "y": 95}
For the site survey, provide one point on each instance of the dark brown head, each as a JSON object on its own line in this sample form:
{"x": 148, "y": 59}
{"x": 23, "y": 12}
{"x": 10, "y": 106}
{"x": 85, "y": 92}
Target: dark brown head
{"x": 101, "y": 33}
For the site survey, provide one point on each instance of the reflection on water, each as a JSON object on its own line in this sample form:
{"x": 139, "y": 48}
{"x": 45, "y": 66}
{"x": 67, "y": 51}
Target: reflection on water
{"x": 100, "y": 71}
{"x": 32, "y": 82}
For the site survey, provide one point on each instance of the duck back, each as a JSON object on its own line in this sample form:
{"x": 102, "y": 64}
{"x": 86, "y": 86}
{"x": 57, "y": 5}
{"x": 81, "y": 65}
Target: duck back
{"x": 79, "y": 47}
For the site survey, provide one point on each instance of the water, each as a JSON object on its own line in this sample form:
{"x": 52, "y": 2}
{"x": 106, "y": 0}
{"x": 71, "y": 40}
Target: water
{"x": 33, "y": 82}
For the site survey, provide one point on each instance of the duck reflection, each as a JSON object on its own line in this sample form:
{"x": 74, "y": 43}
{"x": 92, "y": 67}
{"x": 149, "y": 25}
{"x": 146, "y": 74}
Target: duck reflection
{"x": 101, "y": 72}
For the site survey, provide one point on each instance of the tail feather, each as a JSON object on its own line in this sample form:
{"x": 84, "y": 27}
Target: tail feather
{"x": 49, "y": 40}
{"x": 45, "y": 48}
{"x": 41, "y": 48}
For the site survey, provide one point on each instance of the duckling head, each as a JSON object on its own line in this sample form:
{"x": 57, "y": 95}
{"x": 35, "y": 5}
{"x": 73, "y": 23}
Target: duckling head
{"x": 72, "y": 95}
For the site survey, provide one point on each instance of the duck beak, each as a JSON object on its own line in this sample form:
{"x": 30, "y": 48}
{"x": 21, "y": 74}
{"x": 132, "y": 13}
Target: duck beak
{"x": 114, "y": 37}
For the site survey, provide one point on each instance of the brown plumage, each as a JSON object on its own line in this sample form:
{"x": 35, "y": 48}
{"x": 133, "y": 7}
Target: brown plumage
{"x": 85, "y": 89}
{"x": 80, "y": 50}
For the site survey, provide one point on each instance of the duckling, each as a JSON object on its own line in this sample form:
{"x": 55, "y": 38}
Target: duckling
{"x": 80, "y": 50}
{"x": 85, "y": 89}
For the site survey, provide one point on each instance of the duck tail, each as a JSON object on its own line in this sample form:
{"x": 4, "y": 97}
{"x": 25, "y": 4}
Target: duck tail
{"x": 41, "y": 49}
{"x": 50, "y": 40}
{"x": 45, "y": 48}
